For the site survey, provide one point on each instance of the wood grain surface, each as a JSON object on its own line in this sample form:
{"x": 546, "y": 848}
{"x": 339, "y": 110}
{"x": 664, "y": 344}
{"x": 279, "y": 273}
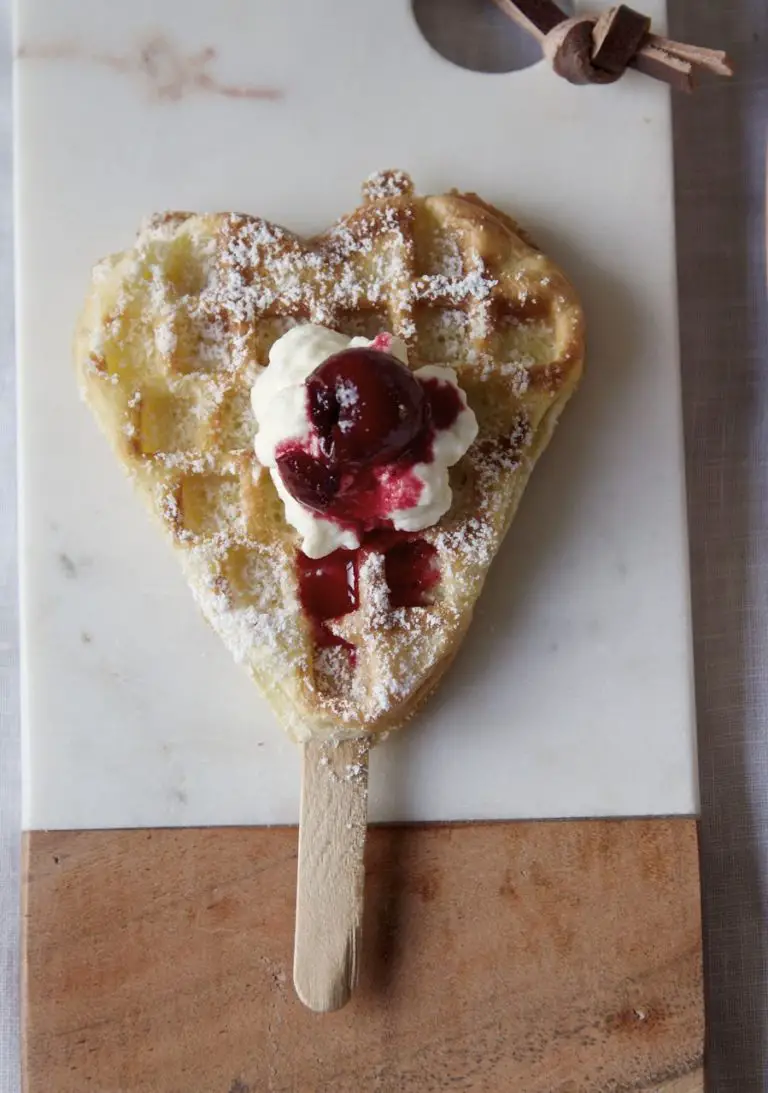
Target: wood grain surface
{"x": 518, "y": 957}
{"x": 330, "y": 877}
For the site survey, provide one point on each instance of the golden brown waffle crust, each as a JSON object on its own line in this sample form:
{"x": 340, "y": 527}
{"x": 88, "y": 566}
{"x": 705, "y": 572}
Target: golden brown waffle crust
{"x": 174, "y": 332}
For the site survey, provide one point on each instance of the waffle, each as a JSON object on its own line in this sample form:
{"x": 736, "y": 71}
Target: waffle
{"x": 171, "y": 338}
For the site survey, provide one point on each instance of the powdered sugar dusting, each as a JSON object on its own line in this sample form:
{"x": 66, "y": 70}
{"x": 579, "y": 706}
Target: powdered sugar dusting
{"x": 438, "y": 287}
{"x": 178, "y": 330}
{"x": 374, "y": 595}
{"x": 346, "y": 394}
{"x": 334, "y": 670}
{"x": 517, "y": 373}
{"x": 165, "y": 338}
{"x": 263, "y": 632}
{"x": 387, "y": 184}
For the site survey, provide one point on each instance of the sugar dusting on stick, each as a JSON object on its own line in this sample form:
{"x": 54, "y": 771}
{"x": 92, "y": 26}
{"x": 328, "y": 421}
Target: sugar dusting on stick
{"x": 593, "y": 49}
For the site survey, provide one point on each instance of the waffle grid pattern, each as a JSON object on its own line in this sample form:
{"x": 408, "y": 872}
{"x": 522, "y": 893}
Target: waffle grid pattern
{"x": 173, "y": 335}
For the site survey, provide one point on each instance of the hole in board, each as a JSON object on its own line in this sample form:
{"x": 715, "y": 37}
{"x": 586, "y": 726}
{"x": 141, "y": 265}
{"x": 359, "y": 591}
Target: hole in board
{"x": 476, "y": 34}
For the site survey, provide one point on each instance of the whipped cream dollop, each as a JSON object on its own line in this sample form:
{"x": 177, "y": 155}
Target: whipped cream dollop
{"x": 407, "y": 493}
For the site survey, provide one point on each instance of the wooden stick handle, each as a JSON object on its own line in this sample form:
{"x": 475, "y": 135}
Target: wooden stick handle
{"x": 329, "y": 896}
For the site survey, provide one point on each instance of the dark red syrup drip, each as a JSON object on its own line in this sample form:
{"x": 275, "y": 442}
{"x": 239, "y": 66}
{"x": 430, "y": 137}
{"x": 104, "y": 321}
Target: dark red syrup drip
{"x": 444, "y": 402}
{"x": 370, "y": 414}
{"x": 328, "y": 590}
{"x": 328, "y": 586}
{"x": 412, "y": 573}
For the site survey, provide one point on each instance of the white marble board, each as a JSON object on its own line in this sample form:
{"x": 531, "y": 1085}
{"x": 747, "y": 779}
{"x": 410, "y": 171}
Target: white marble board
{"x": 572, "y": 696}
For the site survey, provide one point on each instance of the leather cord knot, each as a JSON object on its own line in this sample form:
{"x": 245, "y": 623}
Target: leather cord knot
{"x": 598, "y": 49}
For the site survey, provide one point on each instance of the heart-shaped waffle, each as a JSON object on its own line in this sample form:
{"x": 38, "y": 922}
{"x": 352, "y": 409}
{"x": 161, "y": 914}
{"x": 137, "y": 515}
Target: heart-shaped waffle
{"x": 174, "y": 333}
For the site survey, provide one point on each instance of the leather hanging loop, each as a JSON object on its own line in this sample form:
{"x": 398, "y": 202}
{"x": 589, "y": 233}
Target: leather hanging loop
{"x": 598, "y": 49}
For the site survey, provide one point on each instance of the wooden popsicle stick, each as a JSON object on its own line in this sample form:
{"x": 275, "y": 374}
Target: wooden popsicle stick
{"x": 329, "y": 890}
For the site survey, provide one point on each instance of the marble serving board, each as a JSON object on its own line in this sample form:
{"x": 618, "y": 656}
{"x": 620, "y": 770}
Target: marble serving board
{"x": 572, "y": 695}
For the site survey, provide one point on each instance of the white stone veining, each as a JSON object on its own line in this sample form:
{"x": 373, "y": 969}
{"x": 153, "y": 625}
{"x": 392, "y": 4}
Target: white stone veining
{"x": 572, "y": 695}
{"x": 164, "y": 70}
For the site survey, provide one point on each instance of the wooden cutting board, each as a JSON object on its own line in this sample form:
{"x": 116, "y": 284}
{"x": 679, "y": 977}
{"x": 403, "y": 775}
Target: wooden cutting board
{"x": 532, "y": 956}
{"x": 513, "y": 956}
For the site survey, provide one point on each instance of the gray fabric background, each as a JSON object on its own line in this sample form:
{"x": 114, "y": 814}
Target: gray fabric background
{"x": 9, "y": 725}
{"x": 720, "y": 156}
{"x": 720, "y": 168}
